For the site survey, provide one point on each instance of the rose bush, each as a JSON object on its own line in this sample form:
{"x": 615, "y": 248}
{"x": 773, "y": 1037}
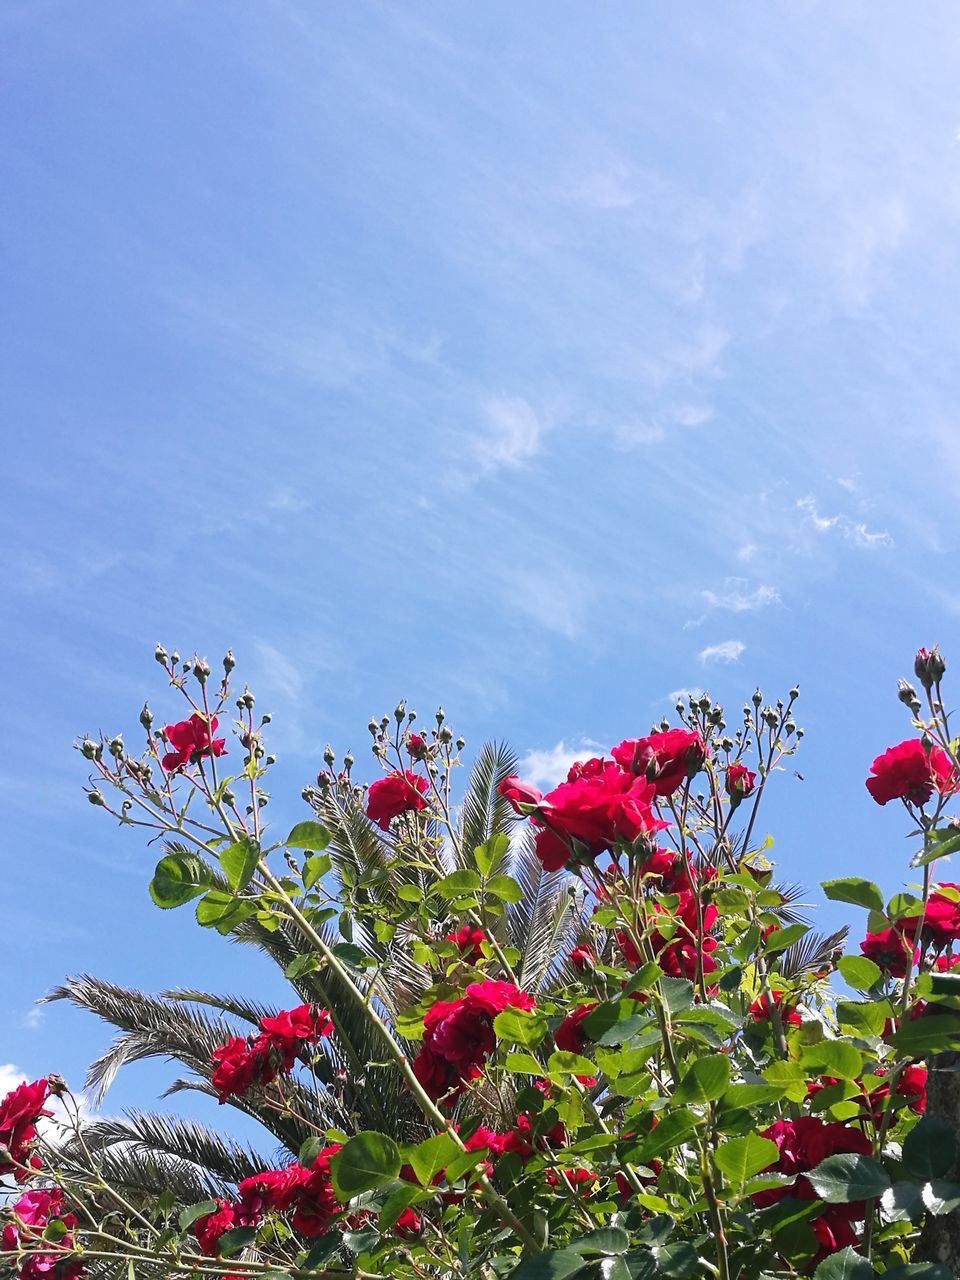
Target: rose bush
{"x": 667, "y": 1074}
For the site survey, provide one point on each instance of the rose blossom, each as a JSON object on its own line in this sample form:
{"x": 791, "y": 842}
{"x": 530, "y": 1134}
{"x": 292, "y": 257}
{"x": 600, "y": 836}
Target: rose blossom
{"x": 518, "y": 792}
{"x": 740, "y": 782}
{"x": 397, "y": 793}
{"x": 910, "y": 772}
{"x": 666, "y": 758}
{"x": 469, "y": 941}
{"x": 889, "y": 949}
{"x": 459, "y": 1036}
{"x": 19, "y": 1112}
{"x": 191, "y": 739}
{"x": 602, "y": 806}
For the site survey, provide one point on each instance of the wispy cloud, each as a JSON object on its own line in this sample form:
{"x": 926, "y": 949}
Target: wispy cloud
{"x": 736, "y": 596}
{"x": 726, "y": 651}
{"x": 853, "y": 531}
{"x": 555, "y": 597}
{"x": 545, "y": 767}
{"x": 681, "y": 695}
{"x": 512, "y": 435}
{"x": 279, "y": 673}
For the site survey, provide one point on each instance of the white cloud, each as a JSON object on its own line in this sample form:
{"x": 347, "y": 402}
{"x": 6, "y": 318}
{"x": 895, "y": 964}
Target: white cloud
{"x": 33, "y": 1017}
{"x": 513, "y": 432}
{"x": 10, "y": 1077}
{"x": 678, "y": 695}
{"x": 555, "y": 597}
{"x": 736, "y": 598}
{"x": 726, "y": 651}
{"x": 747, "y": 551}
{"x": 279, "y": 674}
{"x": 853, "y": 531}
{"x": 546, "y": 767}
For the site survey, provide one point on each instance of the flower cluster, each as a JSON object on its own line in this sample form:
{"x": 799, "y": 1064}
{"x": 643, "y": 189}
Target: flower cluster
{"x": 19, "y": 1112}
{"x": 459, "y": 1037}
{"x": 240, "y": 1063}
{"x": 34, "y": 1216}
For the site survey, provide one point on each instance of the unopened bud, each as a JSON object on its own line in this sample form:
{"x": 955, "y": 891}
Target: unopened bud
{"x": 679, "y": 708}
{"x": 115, "y": 746}
{"x": 411, "y": 716}
{"x": 757, "y": 697}
{"x": 90, "y": 750}
{"x": 271, "y": 759}
{"x": 95, "y": 797}
{"x": 460, "y": 744}
{"x": 384, "y": 721}
{"x": 266, "y": 718}
{"x": 348, "y": 761}
{"x": 174, "y": 658}
{"x": 769, "y": 717}
{"x": 160, "y": 654}
{"x": 201, "y": 669}
{"x": 703, "y": 702}
{"x": 445, "y": 734}
{"x": 146, "y": 717}
{"x": 929, "y": 667}
{"x": 229, "y": 661}
{"x": 790, "y": 727}
{"x": 56, "y": 1084}
{"x": 373, "y": 727}
{"x": 399, "y": 711}
{"x": 441, "y": 715}
{"x": 795, "y": 693}
{"x": 228, "y": 796}
{"x": 328, "y": 755}
{"x": 907, "y": 693}
{"x": 248, "y": 699}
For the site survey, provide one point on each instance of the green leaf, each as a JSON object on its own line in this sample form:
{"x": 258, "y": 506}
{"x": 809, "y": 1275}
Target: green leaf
{"x": 192, "y": 1212}
{"x": 740, "y": 1158}
{"x": 317, "y": 865}
{"x": 492, "y": 851}
{"x": 179, "y": 876}
{"x": 239, "y": 862}
{"x": 944, "y": 984}
{"x": 310, "y": 1148}
{"x": 608, "y": 1240}
{"x": 845, "y": 1265}
{"x": 866, "y": 1019}
{"x": 505, "y": 887}
{"x": 322, "y": 1248}
{"x": 752, "y": 1095}
{"x": 789, "y": 1076}
{"x": 235, "y": 1241}
{"x": 841, "y": 1179}
{"x": 862, "y": 893}
{"x": 833, "y": 1058}
{"x": 395, "y": 1203}
{"x": 706, "y": 1081}
{"x": 783, "y": 938}
{"x": 555, "y": 1264}
{"x": 519, "y": 1026}
{"x": 902, "y": 1202}
{"x": 941, "y": 1197}
{"x": 939, "y": 843}
{"x": 300, "y": 965}
{"x": 309, "y": 835}
{"x": 678, "y": 1261}
{"x": 222, "y": 911}
{"x": 919, "y": 1271}
{"x": 677, "y": 994}
{"x": 364, "y": 1162}
{"x": 410, "y": 893}
{"x": 524, "y": 1064}
{"x": 457, "y": 883}
{"x": 672, "y": 1130}
{"x": 859, "y": 972}
{"x": 430, "y": 1156}
{"x": 562, "y": 1063}
{"x": 922, "y": 1036}
{"x": 930, "y": 1148}
{"x": 352, "y": 956}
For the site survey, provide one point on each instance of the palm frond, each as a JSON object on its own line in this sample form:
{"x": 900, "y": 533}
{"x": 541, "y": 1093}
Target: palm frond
{"x": 543, "y": 924}
{"x": 813, "y": 952}
{"x": 484, "y": 811}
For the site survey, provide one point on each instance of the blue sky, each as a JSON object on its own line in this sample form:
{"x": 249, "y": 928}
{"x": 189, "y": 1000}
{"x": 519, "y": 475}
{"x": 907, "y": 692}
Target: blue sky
{"x": 538, "y": 359}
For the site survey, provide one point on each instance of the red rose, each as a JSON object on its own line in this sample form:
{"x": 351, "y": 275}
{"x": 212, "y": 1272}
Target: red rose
{"x": 518, "y": 792}
{"x": 469, "y": 941}
{"x": 291, "y": 1029}
{"x": 679, "y": 959}
{"x": 570, "y": 1035}
{"x": 314, "y": 1202}
{"x": 459, "y": 1036}
{"x": 665, "y": 864}
{"x": 604, "y": 806}
{"x": 889, "y": 949}
{"x": 941, "y": 920}
{"x": 191, "y": 739}
{"x": 913, "y": 1086}
{"x": 237, "y": 1066}
{"x": 271, "y": 1191}
{"x": 211, "y": 1226}
{"x": 666, "y": 759}
{"x": 494, "y": 996}
{"x": 740, "y": 782}
{"x": 408, "y": 1224}
{"x": 552, "y": 850}
{"x": 397, "y": 793}
{"x": 416, "y": 746}
{"x": 576, "y": 1179}
{"x": 910, "y": 772}
{"x": 19, "y": 1112}
{"x": 760, "y": 1010}
{"x": 834, "y": 1231}
{"x": 803, "y": 1143}
{"x": 582, "y": 957}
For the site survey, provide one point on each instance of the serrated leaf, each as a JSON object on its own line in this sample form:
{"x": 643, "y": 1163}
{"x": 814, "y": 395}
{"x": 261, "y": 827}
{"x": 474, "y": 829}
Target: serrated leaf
{"x": 239, "y": 862}
{"x": 518, "y": 1026}
{"x": 678, "y": 994}
{"x": 457, "y": 883}
{"x": 740, "y": 1158}
{"x": 706, "y": 1081}
{"x": 941, "y": 1197}
{"x": 222, "y": 911}
{"x": 902, "y": 1202}
{"x": 524, "y": 1064}
{"x": 939, "y": 843}
{"x": 235, "y": 1241}
{"x": 309, "y": 835}
{"x": 504, "y": 887}
{"x": 192, "y": 1212}
{"x": 833, "y": 1058}
{"x": 563, "y": 1063}
{"x": 859, "y": 971}
{"x": 179, "y": 876}
{"x": 862, "y": 893}
{"x": 844, "y": 1178}
{"x": 608, "y": 1240}
{"x": 364, "y": 1162}
{"x": 844, "y": 1265}
{"x": 919, "y": 1037}
{"x": 554, "y": 1264}
{"x": 491, "y": 852}
{"x": 427, "y": 1158}
{"x": 317, "y": 865}
{"x": 930, "y": 1148}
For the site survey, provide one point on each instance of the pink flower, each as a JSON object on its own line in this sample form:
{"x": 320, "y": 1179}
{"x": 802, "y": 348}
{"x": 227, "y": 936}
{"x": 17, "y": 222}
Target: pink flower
{"x": 518, "y": 792}
{"x": 603, "y": 806}
{"x": 397, "y": 793}
{"x": 469, "y": 942}
{"x": 666, "y": 759}
{"x": 459, "y": 1036}
{"x": 191, "y": 739}
{"x": 910, "y": 772}
{"x": 19, "y": 1112}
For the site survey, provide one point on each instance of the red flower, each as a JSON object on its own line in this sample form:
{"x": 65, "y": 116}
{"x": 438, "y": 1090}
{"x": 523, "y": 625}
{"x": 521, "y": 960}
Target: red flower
{"x": 33, "y": 1212}
{"x": 211, "y": 1226}
{"x": 19, "y": 1112}
{"x": 833, "y": 1230}
{"x": 291, "y": 1029}
{"x": 239, "y": 1064}
{"x": 518, "y": 792}
{"x": 570, "y": 1035}
{"x": 910, "y": 772}
{"x": 552, "y": 850}
{"x": 679, "y": 959}
{"x": 191, "y": 739}
{"x": 314, "y": 1202}
{"x": 941, "y": 921}
{"x": 469, "y": 941}
{"x": 889, "y": 949}
{"x": 740, "y": 782}
{"x": 236, "y": 1068}
{"x": 271, "y": 1191}
{"x": 582, "y": 957}
{"x": 397, "y": 793}
{"x": 602, "y": 806}
{"x": 913, "y": 1086}
{"x": 803, "y": 1143}
{"x": 666, "y": 759}
{"x": 665, "y": 864}
{"x": 459, "y": 1036}
{"x": 576, "y": 1179}
{"x": 408, "y": 1224}
{"x": 760, "y": 1010}
{"x": 416, "y": 746}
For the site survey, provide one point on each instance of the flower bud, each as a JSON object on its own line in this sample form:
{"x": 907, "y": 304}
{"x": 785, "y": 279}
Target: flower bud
{"x": 328, "y": 755}
{"x": 57, "y": 1085}
{"x": 160, "y": 654}
{"x": 90, "y": 750}
{"x": 271, "y": 759}
{"x": 445, "y": 735}
{"x": 115, "y": 746}
{"x": 384, "y": 721}
{"x": 411, "y": 716}
{"x": 757, "y": 697}
{"x": 174, "y": 658}
{"x": 146, "y": 717}
{"x": 399, "y": 711}
{"x": 95, "y": 797}
{"x": 460, "y": 743}
{"x": 229, "y": 661}
{"x": 373, "y": 727}
{"x": 441, "y": 716}
{"x": 201, "y": 669}
{"x": 348, "y": 761}
{"x": 266, "y": 718}
{"x": 248, "y": 699}
{"x": 703, "y": 702}
{"x": 795, "y": 693}
{"x": 908, "y": 695}
{"x": 228, "y": 796}
{"x": 929, "y": 667}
